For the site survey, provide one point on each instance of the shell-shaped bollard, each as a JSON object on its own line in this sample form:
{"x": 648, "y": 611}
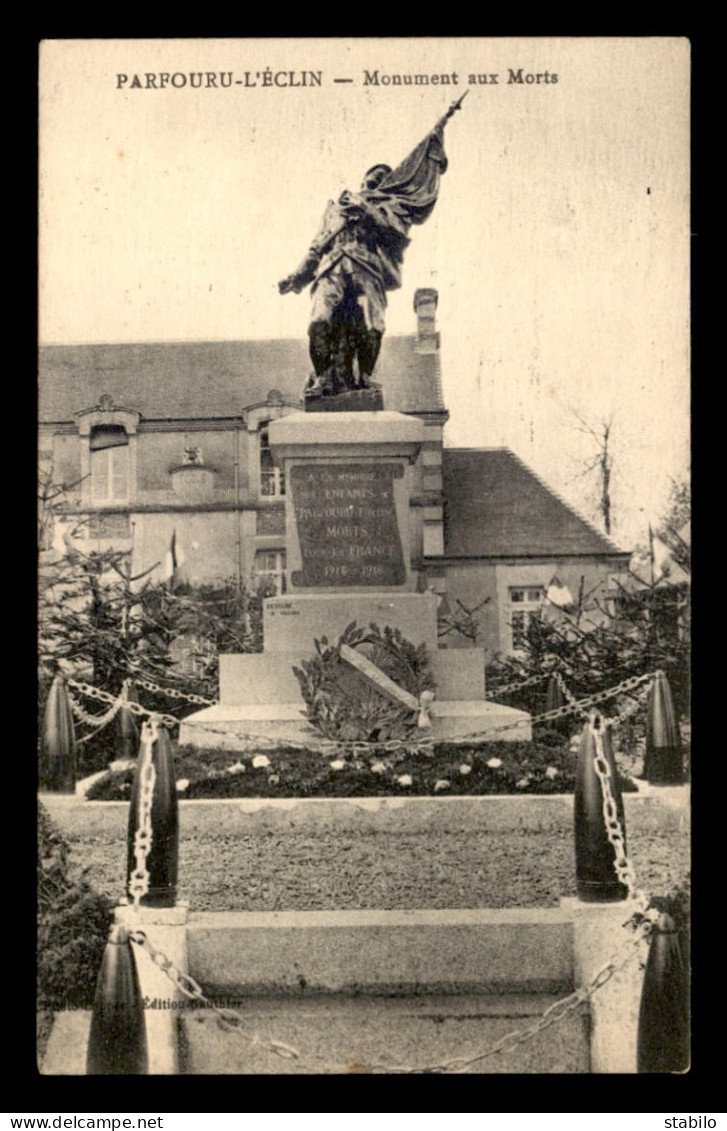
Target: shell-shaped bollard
{"x": 596, "y": 879}
{"x": 663, "y": 1040}
{"x": 59, "y": 740}
{"x": 553, "y": 695}
{"x": 162, "y": 860}
{"x": 554, "y": 699}
{"x": 117, "y": 1039}
{"x": 127, "y": 732}
{"x": 663, "y": 764}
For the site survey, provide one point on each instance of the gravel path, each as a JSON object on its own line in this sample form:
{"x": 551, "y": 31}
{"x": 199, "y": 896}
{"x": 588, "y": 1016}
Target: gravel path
{"x": 348, "y": 870}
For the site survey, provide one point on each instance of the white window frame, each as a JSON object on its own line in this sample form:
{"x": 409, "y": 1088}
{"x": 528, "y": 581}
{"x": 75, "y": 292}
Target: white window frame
{"x": 115, "y": 478}
{"x": 524, "y": 601}
{"x": 274, "y": 567}
{"x": 271, "y": 478}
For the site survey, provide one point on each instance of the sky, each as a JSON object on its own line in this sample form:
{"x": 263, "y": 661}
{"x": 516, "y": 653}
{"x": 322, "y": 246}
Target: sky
{"x": 559, "y": 244}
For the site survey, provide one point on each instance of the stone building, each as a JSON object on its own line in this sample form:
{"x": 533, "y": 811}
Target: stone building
{"x": 164, "y": 449}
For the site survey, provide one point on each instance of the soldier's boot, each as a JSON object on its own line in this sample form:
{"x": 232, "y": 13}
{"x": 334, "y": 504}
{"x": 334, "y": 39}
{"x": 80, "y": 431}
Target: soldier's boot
{"x": 319, "y": 347}
{"x": 368, "y": 352}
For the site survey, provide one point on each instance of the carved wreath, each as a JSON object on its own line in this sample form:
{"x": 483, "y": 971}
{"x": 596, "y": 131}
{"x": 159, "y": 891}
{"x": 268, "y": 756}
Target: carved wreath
{"x": 346, "y": 707}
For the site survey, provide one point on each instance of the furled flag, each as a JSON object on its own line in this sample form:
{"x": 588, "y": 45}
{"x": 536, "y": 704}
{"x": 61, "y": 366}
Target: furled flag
{"x": 173, "y": 561}
{"x": 560, "y": 595}
{"x": 415, "y": 182}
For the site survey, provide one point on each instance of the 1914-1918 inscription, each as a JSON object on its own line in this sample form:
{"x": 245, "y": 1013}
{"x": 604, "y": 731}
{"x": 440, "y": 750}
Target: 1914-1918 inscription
{"x": 347, "y": 526}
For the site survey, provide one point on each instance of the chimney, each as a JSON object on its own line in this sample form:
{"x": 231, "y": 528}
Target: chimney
{"x": 425, "y": 305}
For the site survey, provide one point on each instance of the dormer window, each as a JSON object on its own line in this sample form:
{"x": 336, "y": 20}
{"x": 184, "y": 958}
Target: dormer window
{"x": 272, "y": 481}
{"x": 109, "y": 450}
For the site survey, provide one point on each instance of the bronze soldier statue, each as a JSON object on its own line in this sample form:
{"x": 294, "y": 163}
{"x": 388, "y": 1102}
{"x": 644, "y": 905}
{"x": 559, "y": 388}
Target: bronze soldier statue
{"x": 356, "y": 257}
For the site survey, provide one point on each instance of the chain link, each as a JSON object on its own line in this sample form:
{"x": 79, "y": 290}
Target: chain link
{"x": 631, "y": 710}
{"x": 578, "y": 706}
{"x": 139, "y": 878}
{"x": 149, "y": 685}
{"x": 506, "y": 688}
{"x": 551, "y": 1016}
{"x": 97, "y": 721}
{"x": 191, "y": 989}
{"x": 621, "y": 863}
{"x": 136, "y": 708}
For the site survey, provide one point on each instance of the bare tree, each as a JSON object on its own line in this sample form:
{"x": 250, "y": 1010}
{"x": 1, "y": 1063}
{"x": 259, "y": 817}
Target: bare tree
{"x": 675, "y": 528}
{"x": 462, "y": 621}
{"x": 600, "y": 463}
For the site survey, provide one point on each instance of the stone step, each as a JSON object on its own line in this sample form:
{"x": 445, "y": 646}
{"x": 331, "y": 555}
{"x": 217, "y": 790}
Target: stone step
{"x": 336, "y": 1034}
{"x": 243, "y": 727}
{"x": 499, "y": 951}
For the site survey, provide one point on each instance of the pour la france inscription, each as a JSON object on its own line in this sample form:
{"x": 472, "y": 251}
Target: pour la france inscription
{"x": 347, "y": 525}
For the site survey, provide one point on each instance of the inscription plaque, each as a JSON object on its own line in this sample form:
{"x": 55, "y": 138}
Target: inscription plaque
{"x": 347, "y": 525}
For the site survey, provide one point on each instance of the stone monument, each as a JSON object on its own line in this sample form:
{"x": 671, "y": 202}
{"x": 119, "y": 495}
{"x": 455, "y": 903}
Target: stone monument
{"x": 349, "y": 547}
{"x": 348, "y": 468}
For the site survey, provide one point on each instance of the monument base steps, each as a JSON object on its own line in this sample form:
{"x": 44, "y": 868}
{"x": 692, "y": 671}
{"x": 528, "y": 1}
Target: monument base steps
{"x": 346, "y": 989}
{"x": 335, "y": 1035}
{"x": 403, "y": 988}
{"x": 258, "y": 725}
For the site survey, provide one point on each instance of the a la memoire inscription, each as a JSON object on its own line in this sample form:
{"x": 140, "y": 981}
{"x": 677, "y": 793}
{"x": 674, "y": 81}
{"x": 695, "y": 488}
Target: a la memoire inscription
{"x": 347, "y": 526}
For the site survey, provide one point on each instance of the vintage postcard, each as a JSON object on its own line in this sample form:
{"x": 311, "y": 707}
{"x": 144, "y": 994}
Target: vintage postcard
{"x": 364, "y": 422}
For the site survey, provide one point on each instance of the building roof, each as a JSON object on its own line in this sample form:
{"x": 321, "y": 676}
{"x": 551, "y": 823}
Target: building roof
{"x": 497, "y": 507}
{"x": 204, "y": 380}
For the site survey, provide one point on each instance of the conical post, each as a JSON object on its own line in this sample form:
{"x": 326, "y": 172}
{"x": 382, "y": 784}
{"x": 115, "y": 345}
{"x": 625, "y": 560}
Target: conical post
{"x": 59, "y": 740}
{"x": 663, "y": 762}
{"x": 127, "y": 733}
{"x": 663, "y": 1040}
{"x": 596, "y": 879}
{"x": 117, "y": 1039}
{"x": 162, "y": 860}
{"x": 553, "y": 695}
{"x": 554, "y": 699}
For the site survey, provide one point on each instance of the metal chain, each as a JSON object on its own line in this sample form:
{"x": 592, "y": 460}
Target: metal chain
{"x": 632, "y": 708}
{"x": 561, "y": 712}
{"x": 353, "y": 746}
{"x": 139, "y": 878}
{"x": 192, "y": 990}
{"x": 621, "y": 863}
{"x": 579, "y": 706}
{"x": 174, "y": 694}
{"x": 94, "y": 720}
{"x": 136, "y": 708}
{"x": 567, "y": 693}
{"x": 551, "y": 1016}
{"x": 506, "y": 688}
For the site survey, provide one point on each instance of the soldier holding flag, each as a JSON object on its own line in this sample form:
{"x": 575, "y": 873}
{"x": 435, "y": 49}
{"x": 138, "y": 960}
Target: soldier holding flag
{"x": 356, "y": 257}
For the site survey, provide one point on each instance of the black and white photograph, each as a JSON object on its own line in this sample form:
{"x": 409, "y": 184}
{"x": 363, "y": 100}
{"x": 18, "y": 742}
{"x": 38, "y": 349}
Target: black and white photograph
{"x": 364, "y": 537}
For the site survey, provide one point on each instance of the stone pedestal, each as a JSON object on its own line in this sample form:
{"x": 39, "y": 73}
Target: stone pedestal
{"x": 600, "y": 934}
{"x": 166, "y": 928}
{"x": 349, "y": 552}
{"x": 347, "y": 502}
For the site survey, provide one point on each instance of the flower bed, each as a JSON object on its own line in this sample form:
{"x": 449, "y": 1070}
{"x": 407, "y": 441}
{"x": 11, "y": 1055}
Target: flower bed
{"x": 445, "y": 769}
